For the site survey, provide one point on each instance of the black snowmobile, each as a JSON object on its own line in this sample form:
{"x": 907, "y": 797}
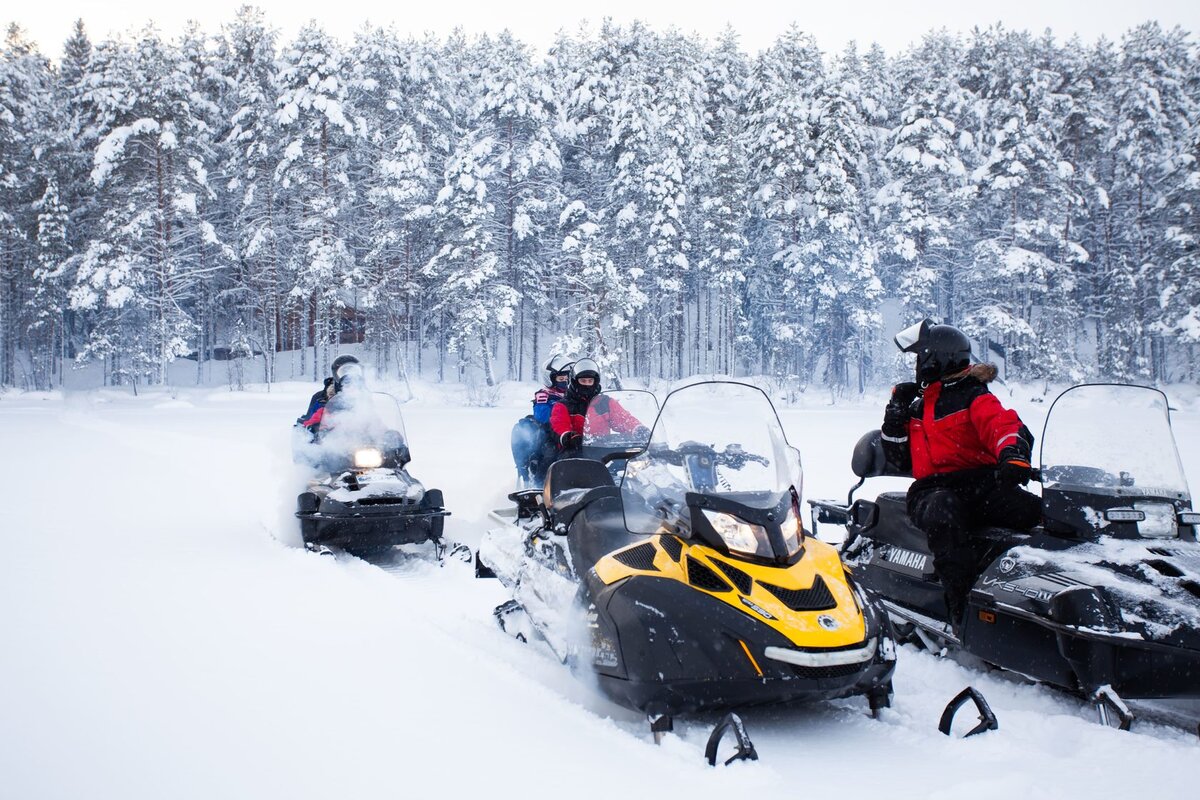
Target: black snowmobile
{"x": 692, "y": 585}
{"x": 1103, "y": 600}
{"x": 368, "y": 503}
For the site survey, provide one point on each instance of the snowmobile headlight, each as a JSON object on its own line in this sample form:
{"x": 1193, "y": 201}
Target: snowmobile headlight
{"x": 1159, "y": 522}
{"x": 793, "y": 531}
{"x": 740, "y": 536}
{"x": 1189, "y": 517}
{"x": 368, "y": 458}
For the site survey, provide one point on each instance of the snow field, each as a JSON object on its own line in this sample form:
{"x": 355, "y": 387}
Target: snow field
{"x": 163, "y": 637}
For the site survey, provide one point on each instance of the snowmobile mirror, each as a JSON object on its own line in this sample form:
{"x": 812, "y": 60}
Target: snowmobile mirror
{"x": 1189, "y": 517}
{"x": 1124, "y": 515}
{"x": 910, "y": 337}
{"x": 987, "y": 719}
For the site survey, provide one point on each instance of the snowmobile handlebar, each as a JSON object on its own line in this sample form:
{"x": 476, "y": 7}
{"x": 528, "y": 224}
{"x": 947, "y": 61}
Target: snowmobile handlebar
{"x": 733, "y": 456}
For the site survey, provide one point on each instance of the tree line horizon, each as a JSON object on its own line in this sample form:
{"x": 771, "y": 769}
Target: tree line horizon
{"x": 672, "y": 205}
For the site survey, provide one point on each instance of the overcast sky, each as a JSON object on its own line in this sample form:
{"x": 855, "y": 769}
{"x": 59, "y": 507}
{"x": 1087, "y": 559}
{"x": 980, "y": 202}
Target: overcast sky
{"x": 893, "y": 24}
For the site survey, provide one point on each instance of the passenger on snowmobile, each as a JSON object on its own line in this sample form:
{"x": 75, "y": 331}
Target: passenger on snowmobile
{"x": 341, "y": 366}
{"x": 968, "y": 454}
{"x": 532, "y": 443}
{"x": 568, "y": 417}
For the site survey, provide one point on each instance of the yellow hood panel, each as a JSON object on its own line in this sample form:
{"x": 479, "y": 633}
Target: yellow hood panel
{"x": 803, "y": 628}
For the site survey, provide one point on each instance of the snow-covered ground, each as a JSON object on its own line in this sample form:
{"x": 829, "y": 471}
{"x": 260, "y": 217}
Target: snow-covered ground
{"x": 162, "y": 636}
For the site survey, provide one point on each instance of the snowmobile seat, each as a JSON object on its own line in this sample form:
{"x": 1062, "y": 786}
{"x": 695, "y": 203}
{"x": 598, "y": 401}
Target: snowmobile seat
{"x": 893, "y": 514}
{"x": 573, "y": 483}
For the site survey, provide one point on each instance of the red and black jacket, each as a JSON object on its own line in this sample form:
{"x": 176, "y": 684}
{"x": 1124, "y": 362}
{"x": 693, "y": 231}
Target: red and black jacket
{"x": 958, "y": 424}
{"x": 605, "y": 416}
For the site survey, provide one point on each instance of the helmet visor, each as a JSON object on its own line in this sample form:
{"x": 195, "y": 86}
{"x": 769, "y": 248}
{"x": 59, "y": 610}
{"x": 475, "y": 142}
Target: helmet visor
{"x": 908, "y": 339}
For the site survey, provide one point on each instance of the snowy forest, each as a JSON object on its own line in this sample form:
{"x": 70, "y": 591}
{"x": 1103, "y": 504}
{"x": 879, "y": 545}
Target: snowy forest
{"x": 465, "y": 207}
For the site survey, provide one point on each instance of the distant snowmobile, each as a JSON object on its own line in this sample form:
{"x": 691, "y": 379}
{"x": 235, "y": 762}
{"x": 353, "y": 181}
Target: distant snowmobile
{"x": 369, "y": 503}
{"x": 692, "y": 585}
{"x": 1103, "y": 600}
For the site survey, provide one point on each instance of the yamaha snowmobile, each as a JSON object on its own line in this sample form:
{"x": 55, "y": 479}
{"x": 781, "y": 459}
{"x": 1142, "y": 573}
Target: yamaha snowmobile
{"x": 1102, "y": 600}
{"x": 367, "y": 503}
{"x": 692, "y": 585}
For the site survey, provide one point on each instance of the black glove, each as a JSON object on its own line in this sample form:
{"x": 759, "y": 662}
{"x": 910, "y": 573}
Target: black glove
{"x": 570, "y": 440}
{"x": 1014, "y": 469}
{"x": 641, "y": 432}
{"x": 898, "y": 410}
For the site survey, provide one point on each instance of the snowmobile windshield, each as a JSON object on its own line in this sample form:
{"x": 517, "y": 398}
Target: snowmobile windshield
{"x": 718, "y": 439}
{"x": 1113, "y": 440}
{"x": 357, "y": 418}
{"x": 619, "y": 420}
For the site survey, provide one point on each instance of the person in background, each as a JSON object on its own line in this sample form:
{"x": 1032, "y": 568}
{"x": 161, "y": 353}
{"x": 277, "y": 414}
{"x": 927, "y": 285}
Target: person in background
{"x": 969, "y": 456}
{"x": 316, "y": 406}
{"x": 532, "y": 445}
{"x": 567, "y": 419}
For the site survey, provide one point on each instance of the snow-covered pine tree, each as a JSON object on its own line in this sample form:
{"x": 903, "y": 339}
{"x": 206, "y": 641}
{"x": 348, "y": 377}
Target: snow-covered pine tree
{"x": 317, "y": 136}
{"x": 1019, "y": 291}
{"x": 142, "y": 267}
{"x": 925, "y": 201}
{"x": 25, "y": 132}
{"x": 515, "y": 111}
{"x": 785, "y": 79}
{"x": 257, "y": 225}
{"x": 838, "y": 257}
{"x": 721, "y": 177}
{"x": 471, "y": 294}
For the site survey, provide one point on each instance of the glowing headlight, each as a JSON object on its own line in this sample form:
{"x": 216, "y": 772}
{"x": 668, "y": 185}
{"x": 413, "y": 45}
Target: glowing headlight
{"x": 368, "y": 458}
{"x": 740, "y": 536}
{"x": 793, "y": 531}
{"x": 1159, "y": 522}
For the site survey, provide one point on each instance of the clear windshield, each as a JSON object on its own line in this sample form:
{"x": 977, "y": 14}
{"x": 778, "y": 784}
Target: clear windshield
{"x": 619, "y": 420}
{"x": 719, "y": 439}
{"x": 1112, "y": 439}
{"x": 356, "y": 418}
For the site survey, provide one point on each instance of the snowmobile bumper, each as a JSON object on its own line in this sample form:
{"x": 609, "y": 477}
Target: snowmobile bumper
{"x": 694, "y": 652}
{"x": 359, "y": 527}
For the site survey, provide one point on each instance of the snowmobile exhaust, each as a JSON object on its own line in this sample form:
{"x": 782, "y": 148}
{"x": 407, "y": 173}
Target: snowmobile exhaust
{"x": 745, "y": 748}
{"x": 987, "y": 719}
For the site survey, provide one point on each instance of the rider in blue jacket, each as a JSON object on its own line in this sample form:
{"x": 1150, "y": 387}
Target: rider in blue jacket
{"x": 532, "y": 448}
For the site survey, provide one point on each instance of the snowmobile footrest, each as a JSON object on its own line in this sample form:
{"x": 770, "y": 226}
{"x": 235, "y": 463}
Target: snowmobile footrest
{"x": 483, "y": 570}
{"x": 1109, "y": 705}
{"x": 660, "y": 726}
{"x": 987, "y": 720}
{"x": 745, "y": 748}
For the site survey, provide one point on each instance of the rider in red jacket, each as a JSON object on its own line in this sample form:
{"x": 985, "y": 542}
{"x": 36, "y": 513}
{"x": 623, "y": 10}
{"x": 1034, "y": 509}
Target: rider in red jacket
{"x": 969, "y": 455}
{"x": 568, "y": 417}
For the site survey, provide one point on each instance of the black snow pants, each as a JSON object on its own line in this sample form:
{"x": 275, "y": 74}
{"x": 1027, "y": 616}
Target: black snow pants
{"x": 950, "y": 507}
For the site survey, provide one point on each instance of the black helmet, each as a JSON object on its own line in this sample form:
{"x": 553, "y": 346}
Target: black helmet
{"x": 941, "y": 349}
{"x": 584, "y": 368}
{"x": 557, "y": 365}
{"x": 340, "y": 362}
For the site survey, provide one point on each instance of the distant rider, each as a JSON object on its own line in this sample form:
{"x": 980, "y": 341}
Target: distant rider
{"x": 969, "y": 455}
{"x": 568, "y": 417}
{"x": 533, "y": 448}
{"x": 316, "y": 407}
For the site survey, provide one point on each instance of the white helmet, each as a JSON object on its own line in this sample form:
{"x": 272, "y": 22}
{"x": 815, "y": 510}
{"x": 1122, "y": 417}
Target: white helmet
{"x": 556, "y": 366}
